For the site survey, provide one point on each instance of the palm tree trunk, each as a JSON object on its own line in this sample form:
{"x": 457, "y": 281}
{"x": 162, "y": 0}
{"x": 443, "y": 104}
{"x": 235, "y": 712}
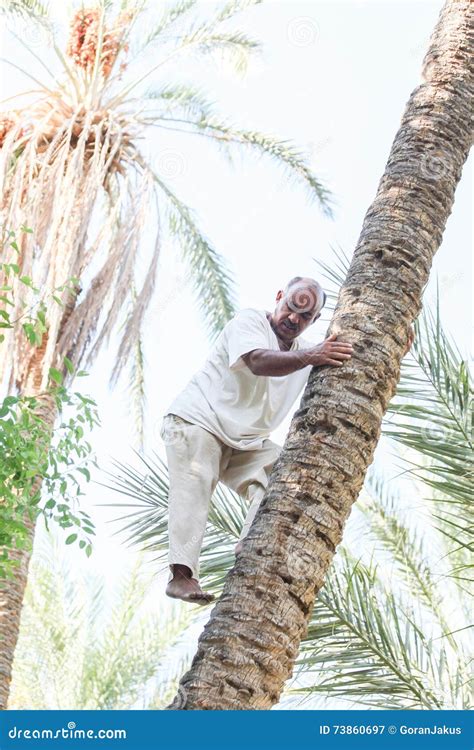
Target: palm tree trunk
{"x": 12, "y": 590}
{"x": 249, "y": 646}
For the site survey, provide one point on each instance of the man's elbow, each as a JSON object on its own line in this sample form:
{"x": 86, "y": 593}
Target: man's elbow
{"x": 253, "y": 362}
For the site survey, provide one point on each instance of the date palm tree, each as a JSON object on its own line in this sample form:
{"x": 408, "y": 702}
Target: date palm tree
{"x": 389, "y": 628}
{"x": 73, "y": 169}
{"x": 248, "y": 648}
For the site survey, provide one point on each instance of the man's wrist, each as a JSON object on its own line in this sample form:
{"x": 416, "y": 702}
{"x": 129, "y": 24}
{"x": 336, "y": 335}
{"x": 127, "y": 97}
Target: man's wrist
{"x": 305, "y": 358}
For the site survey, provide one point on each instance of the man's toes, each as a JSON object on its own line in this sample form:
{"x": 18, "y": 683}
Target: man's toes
{"x": 188, "y": 590}
{"x": 201, "y": 597}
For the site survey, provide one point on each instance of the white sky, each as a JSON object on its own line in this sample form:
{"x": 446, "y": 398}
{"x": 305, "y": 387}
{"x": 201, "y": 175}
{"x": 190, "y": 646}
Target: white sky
{"x": 334, "y": 77}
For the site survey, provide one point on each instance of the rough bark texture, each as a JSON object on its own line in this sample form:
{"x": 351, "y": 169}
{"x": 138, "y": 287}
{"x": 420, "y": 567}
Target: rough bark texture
{"x": 11, "y": 601}
{"x": 12, "y": 590}
{"x": 249, "y": 646}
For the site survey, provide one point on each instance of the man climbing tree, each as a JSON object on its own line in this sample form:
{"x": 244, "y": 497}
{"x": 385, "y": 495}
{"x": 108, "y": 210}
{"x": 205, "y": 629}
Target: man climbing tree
{"x": 219, "y": 425}
{"x": 249, "y": 646}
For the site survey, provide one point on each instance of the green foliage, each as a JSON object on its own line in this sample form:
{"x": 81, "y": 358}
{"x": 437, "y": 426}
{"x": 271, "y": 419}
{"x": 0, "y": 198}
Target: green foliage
{"x": 380, "y": 632}
{"x": 35, "y": 460}
{"x": 145, "y": 520}
{"x": 433, "y": 417}
{"x": 34, "y": 464}
{"x": 26, "y": 8}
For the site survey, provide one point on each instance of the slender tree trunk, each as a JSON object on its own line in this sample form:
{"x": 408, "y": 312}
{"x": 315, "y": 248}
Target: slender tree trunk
{"x": 12, "y": 590}
{"x": 249, "y": 646}
{"x": 11, "y": 600}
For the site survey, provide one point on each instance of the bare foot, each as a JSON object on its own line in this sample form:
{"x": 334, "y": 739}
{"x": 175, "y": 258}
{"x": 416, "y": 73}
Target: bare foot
{"x": 183, "y": 586}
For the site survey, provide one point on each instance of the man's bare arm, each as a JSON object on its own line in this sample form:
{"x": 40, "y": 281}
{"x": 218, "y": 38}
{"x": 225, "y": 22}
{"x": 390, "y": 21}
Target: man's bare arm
{"x": 268, "y": 362}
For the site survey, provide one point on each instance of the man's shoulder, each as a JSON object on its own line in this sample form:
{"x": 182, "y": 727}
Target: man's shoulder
{"x": 251, "y": 314}
{"x": 251, "y": 311}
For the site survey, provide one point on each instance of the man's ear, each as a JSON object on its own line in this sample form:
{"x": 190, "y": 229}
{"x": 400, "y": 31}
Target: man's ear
{"x": 279, "y": 295}
{"x": 315, "y": 318}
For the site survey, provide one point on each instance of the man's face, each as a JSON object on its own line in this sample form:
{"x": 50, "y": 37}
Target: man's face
{"x": 296, "y": 310}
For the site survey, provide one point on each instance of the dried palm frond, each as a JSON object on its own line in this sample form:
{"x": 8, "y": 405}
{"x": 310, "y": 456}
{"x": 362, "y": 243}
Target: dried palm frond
{"x": 72, "y": 169}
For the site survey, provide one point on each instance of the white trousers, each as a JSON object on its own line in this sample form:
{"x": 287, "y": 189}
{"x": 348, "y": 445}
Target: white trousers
{"x": 197, "y": 460}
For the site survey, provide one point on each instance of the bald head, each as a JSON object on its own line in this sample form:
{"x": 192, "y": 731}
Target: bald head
{"x": 299, "y": 305}
{"x": 305, "y": 292}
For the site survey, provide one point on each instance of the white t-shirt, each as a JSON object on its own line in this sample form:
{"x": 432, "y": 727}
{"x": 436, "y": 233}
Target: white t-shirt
{"x": 226, "y": 398}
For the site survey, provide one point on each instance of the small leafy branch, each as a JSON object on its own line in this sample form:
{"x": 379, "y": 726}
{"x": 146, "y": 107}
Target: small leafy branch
{"x": 37, "y": 461}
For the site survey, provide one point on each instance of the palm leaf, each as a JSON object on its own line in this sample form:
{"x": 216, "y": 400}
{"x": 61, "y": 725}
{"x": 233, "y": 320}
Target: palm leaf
{"x": 351, "y": 648}
{"x": 361, "y": 642}
{"x": 433, "y": 416}
{"x": 213, "y": 286}
{"x": 233, "y": 46}
{"x": 418, "y": 553}
{"x": 284, "y": 153}
{"x": 187, "y": 100}
{"x": 144, "y": 522}
{"x": 32, "y": 9}
{"x": 170, "y": 15}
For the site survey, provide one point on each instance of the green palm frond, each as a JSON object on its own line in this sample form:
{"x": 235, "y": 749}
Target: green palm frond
{"x": 212, "y": 283}
{"x": 202, "y": 29}
{"x": 33, "y": 9}
{"x": 441, "y": 399}
{"x": 334, "y": 273}
{"x": 233, "y": 46}
{"x": 199, "y": 33}
{"x": 231, "y": 9}
{"x": 418, "y": 554}
{"x": 184, "y": 99}
{"x": 117, "y": 652}
{"x": 433, "y": 416}
{"x": 359, "y": 631}
{"x": 170, "y": 15}
{"x": 145, "y": 514}
{"x": 144, "y": 522}
{"x": 284, "y": 153}
{"x": 362, "y": 643}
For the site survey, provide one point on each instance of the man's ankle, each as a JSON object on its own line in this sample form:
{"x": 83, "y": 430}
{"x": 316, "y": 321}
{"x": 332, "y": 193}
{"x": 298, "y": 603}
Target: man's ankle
{"x": 181, "y": 571}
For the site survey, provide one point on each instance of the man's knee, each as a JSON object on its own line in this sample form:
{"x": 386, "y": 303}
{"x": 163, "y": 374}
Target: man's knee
{"x": 273, "y": 452}
{"x": 254, "y": 491}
